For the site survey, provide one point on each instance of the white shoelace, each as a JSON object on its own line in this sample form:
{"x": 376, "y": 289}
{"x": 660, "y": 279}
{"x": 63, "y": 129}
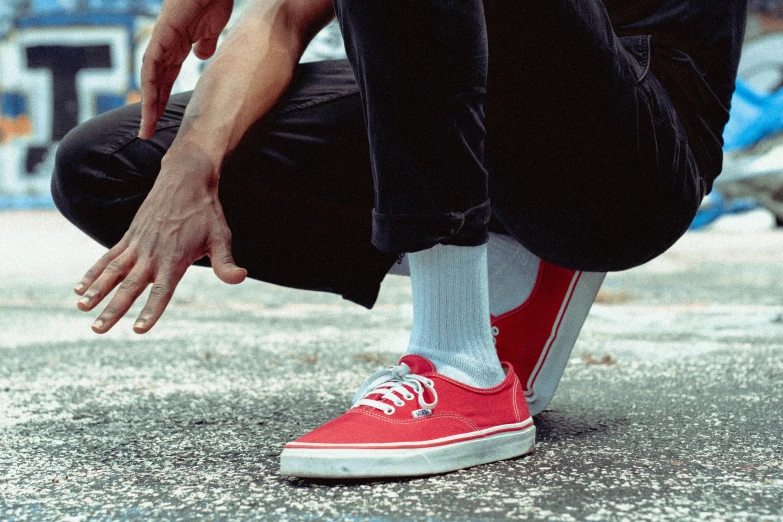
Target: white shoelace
{"x": 390, "y": 382}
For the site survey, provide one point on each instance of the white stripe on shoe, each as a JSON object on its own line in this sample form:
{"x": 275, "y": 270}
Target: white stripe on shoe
{"x": 537, "y": 337}
{"x": 366, "y": 463}
{"x": 418, "y": 444}
{"x": 530, "y": 391}
{"x": 550, "y": 368}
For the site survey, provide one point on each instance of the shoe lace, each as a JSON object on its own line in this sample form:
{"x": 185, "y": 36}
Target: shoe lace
{"x": 395, "y": 384}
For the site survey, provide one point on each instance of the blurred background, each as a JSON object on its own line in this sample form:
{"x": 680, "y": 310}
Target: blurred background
{"x": 65, "y": 61}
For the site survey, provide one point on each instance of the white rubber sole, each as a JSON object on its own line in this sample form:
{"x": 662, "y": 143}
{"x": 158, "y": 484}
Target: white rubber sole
{"x": 576, "y": 306}
{"x": 366, "y": 463}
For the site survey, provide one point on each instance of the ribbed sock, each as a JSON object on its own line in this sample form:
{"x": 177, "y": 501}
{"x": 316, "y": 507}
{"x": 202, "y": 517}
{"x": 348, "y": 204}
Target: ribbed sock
{"x": 451, "y": 314}
{"x": 513, "y": 270}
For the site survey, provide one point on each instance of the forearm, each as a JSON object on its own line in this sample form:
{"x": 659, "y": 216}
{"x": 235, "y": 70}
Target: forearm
{"x": 247, "y": 76}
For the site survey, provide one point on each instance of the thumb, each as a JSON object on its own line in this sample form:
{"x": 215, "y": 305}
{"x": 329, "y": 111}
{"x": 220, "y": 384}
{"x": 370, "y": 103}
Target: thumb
{"x": 224, "y": 266}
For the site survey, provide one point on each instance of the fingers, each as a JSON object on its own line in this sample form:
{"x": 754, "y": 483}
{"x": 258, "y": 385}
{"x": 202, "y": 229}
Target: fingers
{"x": 134, "y": 279}
{"x": 98, "y": 268}
{"x": 150, "y": 96}
{"x": 130, "y": 289}
{"x": 158, "y": 73}
{"x": 223, "y": 261}
{"x": 109, "y": 273}
{"x": 159, "y": 298}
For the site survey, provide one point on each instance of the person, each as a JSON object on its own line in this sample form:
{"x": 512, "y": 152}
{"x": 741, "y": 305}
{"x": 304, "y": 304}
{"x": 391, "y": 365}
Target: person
{"x": 583, "y": 133}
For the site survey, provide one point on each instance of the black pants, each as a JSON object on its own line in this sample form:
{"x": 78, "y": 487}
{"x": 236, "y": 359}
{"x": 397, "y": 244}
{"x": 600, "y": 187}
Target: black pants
{"x": 572, "y": 144}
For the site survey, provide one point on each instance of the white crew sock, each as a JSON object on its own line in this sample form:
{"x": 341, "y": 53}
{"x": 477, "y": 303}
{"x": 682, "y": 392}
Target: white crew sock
{"x": 513, "y": 270}
{"x": 451, "y": 314}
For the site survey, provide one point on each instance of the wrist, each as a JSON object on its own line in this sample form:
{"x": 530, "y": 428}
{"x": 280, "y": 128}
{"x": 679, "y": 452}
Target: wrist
{"x": 208, "y": 137}
{"x": 190, "y": 159}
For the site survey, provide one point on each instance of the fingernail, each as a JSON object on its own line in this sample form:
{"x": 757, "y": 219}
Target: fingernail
{"x": 84, "y": 300}
{"x": 98, "y": 325}
{"x": 79, "y": 287}
{"x": 139, "y": 325}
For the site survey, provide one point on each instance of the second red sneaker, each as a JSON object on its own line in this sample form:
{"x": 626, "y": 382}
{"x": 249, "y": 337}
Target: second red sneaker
{"x": 537, "y": 336}
{"x": 409, "y": 420}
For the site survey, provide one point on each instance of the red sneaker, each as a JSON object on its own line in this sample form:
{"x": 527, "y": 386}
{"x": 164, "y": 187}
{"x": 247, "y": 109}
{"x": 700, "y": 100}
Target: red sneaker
{"x": 408, "y": 420}
{"x": 537, "y": 336}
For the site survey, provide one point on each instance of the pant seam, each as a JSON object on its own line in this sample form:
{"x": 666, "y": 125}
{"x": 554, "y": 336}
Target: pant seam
{"x": 591, "y": 27}
{"x": 317, "y": 101}
{"x": 125, "y": 140}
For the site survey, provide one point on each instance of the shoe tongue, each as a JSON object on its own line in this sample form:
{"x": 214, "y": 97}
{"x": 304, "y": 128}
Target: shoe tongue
{"x": 418, "y": 364}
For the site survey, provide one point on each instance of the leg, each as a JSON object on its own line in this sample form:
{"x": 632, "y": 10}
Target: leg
{"x": 302, "y": 173}
{"x": 421, "y": 67}
{"x": 588, "y": 168}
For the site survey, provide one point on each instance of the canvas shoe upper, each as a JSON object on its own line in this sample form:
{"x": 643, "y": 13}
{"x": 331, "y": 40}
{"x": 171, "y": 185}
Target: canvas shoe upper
{"x": 409, "y": 420}
{"x": 537, "y": 336}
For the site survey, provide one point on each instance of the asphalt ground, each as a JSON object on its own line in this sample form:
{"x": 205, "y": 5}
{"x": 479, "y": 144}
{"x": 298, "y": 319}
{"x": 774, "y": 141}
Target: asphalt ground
{"x": 671, "y": 407}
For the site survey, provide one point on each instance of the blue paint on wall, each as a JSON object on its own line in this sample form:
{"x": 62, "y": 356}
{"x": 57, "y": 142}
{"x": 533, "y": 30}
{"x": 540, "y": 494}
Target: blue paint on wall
{"x": 12, "y": 104}
{"x": 108, "y": 102}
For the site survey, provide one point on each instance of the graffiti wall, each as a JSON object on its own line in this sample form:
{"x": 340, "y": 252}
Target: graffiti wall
{"x": 65, "y": 61}
{"x": 60, "y": 66}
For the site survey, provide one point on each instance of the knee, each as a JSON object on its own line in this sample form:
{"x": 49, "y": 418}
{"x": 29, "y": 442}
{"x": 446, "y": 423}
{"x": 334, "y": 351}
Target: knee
{"x": 71, "y": 173}
{"x": 102, "y": 172}
{"x": 84, "y": 182}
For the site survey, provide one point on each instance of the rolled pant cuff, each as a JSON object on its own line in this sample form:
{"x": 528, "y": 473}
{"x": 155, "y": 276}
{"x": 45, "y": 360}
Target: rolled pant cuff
{"x": 415, "y": 232}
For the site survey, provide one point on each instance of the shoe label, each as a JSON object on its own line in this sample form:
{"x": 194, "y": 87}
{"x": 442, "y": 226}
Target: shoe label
{"x": 421, "y": 413}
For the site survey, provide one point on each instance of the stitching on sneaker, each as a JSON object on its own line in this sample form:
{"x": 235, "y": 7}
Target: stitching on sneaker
{"x": 421, "y": 419}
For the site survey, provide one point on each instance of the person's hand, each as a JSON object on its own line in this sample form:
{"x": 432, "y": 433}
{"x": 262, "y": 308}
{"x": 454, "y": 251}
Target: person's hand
{"x": 181, "y": 25}
{"x": 180, "y": 221}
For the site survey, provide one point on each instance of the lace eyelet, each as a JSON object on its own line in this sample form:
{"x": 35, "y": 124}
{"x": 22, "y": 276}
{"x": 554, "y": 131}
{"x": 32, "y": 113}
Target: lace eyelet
{"x": 409, "y": 397}
{"x": 495, "y": 330}
{"x": 399, "y": 403}
{"x": 389, "y": 411}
